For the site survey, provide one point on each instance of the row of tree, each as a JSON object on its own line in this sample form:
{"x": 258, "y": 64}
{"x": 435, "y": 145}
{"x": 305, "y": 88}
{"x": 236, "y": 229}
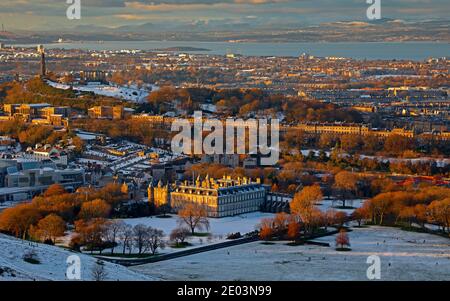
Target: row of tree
{"x": 392, "y": 145}
{"x": 305, "y": 218}
{"x": 410, "y": 205}
{"x": 131, "y": 129}
{"x": 245, "y": 102}
{"x": 98, "y": 234}
{"x": 37, "y": 90}
{"x": 50, "y": 212}
{"x": 31, "y": 134}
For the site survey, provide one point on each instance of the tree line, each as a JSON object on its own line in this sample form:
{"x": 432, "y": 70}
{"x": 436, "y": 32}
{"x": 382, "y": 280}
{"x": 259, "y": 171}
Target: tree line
{"x": 89, "y": 213}
{"x": 305, "y": 218}
{"x": 36, "y": 90}
{"x": 54, "y": 209}
{"x": 407, "y": 206}
{"x": 393, "y": 145}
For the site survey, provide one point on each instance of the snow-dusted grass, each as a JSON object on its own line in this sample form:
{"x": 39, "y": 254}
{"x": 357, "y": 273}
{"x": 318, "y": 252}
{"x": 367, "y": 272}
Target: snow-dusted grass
{"x": 130, "y": 93}
{"x": 53, "y": 264}
{"x": 219, "y": 227}
{"x": 404, "y": 256}
{"x": 327, "y": 204}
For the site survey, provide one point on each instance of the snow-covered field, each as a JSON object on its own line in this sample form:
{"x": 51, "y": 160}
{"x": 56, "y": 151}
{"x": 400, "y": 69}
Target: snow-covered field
{"x": 131, "y": 93}
{"x": 53, "y": 264}
{"x": 404, "y": 256}
{"x": 219, "y": 227}
{"x": 327, "y": 204}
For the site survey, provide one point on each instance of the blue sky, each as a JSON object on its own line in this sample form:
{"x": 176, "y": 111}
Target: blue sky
{"x": 51, "y": 14}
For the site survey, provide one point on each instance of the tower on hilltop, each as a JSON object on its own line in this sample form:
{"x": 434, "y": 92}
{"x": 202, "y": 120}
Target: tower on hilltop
{"x": 41, "y": 51}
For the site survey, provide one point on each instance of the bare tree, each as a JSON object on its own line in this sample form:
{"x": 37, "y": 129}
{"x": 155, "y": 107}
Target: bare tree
{"x": 154, "y": 240}
{"x": 113, "y": 229}
{"x": 98, "y": 271}
{"x": 179, "y": 235}
{"x": 140, "y": 238}
{"x": 194, "y": 216}
{"x": 126, "y": 237}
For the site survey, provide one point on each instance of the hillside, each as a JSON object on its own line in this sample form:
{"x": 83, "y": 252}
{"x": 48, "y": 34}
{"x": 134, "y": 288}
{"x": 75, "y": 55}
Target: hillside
{"x": 52, "y": 265}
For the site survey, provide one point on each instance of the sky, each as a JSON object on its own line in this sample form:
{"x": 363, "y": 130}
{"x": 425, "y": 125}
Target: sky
{"x": 51, "y": 14}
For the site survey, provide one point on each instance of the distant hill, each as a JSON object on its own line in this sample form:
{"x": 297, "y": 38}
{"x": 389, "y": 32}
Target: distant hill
{"x": 384, "y": 30}
{"x": 182, "y": 49}
{"x": 8, "y": 36}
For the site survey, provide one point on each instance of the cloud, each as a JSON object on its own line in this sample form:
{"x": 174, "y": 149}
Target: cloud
{"x": 212, "y": 2}
{"x": 131, "y": 17}
{"x": 100, "y": 12}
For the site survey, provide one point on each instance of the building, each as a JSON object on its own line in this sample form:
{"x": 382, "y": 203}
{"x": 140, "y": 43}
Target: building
{"x": 156, "y": 120}
{"x": 88, "y": 76}
{"x": 108, "y": 112}
{"x": 334, "y": 128}
{"x": 397, "y": 132}
{"x": 277, "y": 202}
{"x": 224, "y": 159}
{"x": 6, "y": 143}
{"x": 22, "y": 179}
{"x": 40, "y": 113}
{"x": 361, "y": 129}
{"x": 221, "y": 197}
{"x": 47, "y": 153}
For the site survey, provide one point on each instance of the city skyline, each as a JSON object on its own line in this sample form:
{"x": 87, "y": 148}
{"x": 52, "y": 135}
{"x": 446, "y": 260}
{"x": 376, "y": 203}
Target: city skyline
{"x": 224, "y": 141}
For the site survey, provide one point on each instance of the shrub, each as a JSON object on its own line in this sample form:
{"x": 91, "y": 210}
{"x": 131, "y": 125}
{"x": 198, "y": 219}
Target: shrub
{"x": 31, "y": 257}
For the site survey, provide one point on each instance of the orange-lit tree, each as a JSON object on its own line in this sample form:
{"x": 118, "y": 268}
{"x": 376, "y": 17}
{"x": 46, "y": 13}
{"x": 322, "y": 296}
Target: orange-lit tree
{"x": 342, "y": 240}
{"x": 193, "y": 216}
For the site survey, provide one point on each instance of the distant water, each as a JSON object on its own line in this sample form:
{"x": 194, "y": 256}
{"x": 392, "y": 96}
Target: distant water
{"x": 357, "y": 50}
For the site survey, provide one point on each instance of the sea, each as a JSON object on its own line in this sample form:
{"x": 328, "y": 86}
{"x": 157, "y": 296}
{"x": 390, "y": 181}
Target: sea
{"x": 356, "y": 50}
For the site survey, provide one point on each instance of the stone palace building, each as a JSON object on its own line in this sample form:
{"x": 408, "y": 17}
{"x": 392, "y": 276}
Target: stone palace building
{"x": 221, "y": 197}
